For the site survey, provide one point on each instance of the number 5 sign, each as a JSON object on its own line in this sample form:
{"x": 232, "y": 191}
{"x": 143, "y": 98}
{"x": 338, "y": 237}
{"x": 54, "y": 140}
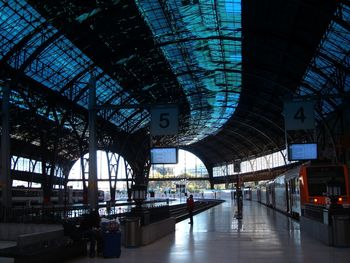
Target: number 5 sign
{"x": 299, "y": 115}
{"x": 164, "y": 120}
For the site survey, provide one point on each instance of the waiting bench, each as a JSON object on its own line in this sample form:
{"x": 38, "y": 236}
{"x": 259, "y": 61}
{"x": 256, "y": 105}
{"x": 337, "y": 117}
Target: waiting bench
{"x": 48, "y": 245}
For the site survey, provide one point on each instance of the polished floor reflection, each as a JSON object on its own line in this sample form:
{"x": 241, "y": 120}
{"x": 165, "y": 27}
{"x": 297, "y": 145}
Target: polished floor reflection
{"x": 262, "y": 235}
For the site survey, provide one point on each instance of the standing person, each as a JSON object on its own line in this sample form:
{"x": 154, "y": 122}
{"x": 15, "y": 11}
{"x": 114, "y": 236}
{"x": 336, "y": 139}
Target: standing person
{"x": 190, "y": 208}
{"x": 90, "y": 227}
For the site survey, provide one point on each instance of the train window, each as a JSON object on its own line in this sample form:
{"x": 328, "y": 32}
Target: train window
{"x": 319, "y": 177}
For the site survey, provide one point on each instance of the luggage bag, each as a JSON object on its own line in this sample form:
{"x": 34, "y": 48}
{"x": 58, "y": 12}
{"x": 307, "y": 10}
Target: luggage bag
{"x": 111, "y": 244}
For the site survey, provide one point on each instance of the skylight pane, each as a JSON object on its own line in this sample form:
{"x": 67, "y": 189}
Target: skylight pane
{"x": 17, "y": 19}
{"x": 59, "y": 63}
{"x": 206, "y": 38}
{"x": 332, "y": 56}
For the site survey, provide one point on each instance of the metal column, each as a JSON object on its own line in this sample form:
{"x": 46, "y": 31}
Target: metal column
{"x": 5, "y": 178}
{"x": 92, "y": 187}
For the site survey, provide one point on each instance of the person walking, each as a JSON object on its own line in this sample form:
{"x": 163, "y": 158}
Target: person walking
{"x": 190, "y": 208}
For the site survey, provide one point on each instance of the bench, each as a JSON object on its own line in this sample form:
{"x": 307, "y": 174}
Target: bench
{"x": 49, "y": 245}
{"x": 40, "y": 239}
{"x": 11, "y": 231}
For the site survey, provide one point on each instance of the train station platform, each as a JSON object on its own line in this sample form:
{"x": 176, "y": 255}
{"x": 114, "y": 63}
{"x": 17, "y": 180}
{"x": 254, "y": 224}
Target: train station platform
{"x": 263, "y": 235}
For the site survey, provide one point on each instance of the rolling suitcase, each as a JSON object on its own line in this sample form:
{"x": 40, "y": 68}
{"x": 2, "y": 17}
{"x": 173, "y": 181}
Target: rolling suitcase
{"x": 111, "y": 244}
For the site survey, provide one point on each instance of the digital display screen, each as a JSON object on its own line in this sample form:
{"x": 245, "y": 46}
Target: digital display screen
{"x": 164, "y": 155}
{"x": 302, "y": 151}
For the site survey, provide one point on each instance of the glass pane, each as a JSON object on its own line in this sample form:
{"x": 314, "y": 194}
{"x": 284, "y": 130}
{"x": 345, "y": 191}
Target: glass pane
{"x": 202, "y": 42}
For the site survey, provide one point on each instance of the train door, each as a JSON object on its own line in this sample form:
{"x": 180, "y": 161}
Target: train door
{"x": 288, "y": 201}
{"x": 269, "y": 190}
{"x": 273, "y": 195}
{"x": 296, "y": 199}
{"x": 291, "y": 195}
{"x": 267, "y": 193}
{"x": 270, "y": 194}
{"x": 293, "y": 198}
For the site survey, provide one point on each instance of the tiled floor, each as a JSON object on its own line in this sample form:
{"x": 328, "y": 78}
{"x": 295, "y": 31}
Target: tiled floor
{"x": 216, "y": 236}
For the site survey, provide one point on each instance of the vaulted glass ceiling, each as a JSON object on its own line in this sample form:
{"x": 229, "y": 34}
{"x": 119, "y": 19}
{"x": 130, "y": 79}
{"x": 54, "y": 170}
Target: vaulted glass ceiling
{"x": 51, "y": 59}
{"x": 201, "y": 40}
{"x": 201, "y": 43}
{"x": 327, "y": 74}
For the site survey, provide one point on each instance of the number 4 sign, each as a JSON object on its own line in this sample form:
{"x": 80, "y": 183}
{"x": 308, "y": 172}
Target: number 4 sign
{"x": 164, "y": 120}
{"x": 299, "y": 115}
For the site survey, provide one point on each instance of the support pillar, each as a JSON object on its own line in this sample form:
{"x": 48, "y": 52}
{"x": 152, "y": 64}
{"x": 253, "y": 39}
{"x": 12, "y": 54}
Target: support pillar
{"x": 5, "y": 178}
{"x": 239, "y": 198}
{"x": 92, "y": 187}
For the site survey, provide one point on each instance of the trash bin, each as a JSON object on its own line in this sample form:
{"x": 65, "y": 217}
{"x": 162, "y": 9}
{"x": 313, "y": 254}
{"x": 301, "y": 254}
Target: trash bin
{"x": 341, "y": 230}
{"x": 132, "y": 229}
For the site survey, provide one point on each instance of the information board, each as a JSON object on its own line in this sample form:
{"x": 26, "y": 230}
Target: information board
{"x": 302, "y": 151}
{"x": 164, "y": 155}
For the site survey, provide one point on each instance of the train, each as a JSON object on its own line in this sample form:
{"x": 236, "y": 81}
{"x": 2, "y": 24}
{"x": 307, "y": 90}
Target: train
{"x": 317, "y": 184}
{"x": 24, "y": 196}
{"x": 226, "y": 194}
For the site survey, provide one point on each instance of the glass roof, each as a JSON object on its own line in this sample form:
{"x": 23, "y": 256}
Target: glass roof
{"x": 201, "y": 39}
{"x": 60, "y": 62}
{"x": 333, "y": 55}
